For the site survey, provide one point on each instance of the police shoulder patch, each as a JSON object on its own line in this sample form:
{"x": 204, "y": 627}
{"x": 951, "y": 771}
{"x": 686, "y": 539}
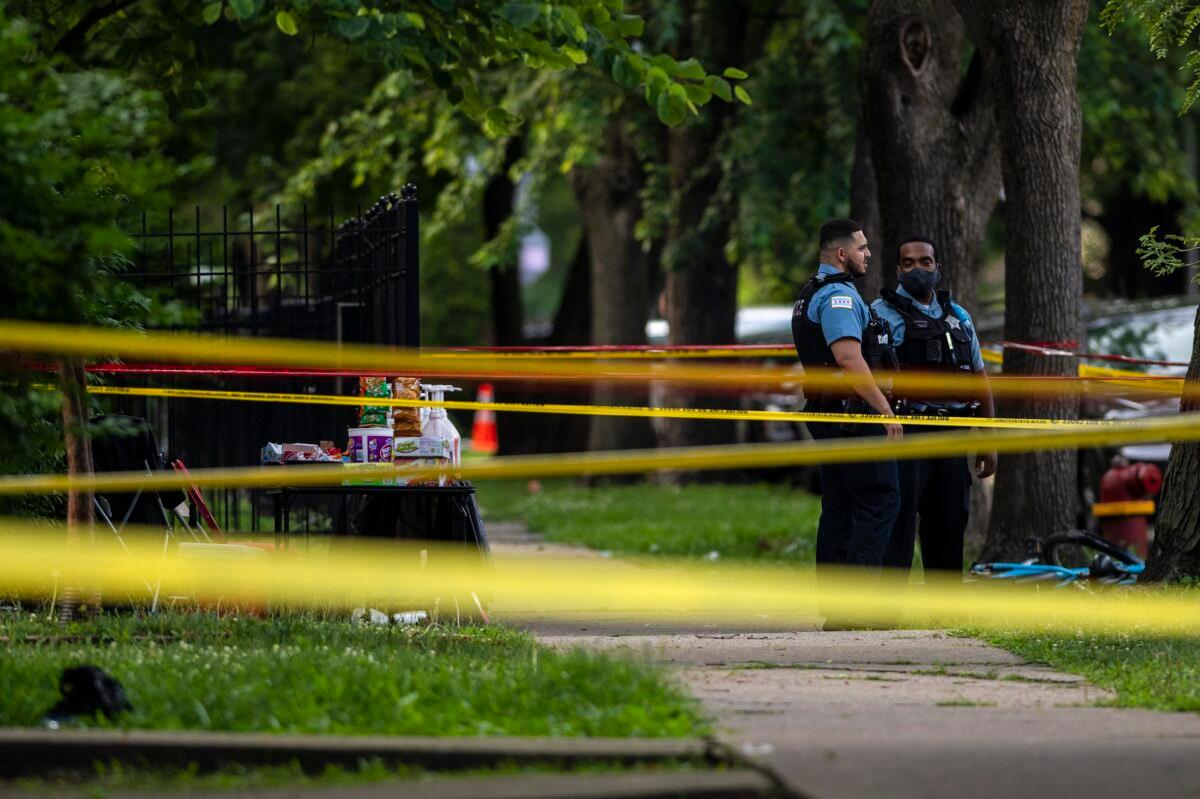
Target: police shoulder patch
{"x": 841, "y": 301}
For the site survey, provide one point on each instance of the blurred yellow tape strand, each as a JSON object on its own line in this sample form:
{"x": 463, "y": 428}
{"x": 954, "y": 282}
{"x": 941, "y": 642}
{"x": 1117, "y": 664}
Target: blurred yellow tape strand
{"x": 1184, "y": 427}
{"x": 607, "y": 410}
{"x": 33, "y": 337}
{"x": 396, "y": 575}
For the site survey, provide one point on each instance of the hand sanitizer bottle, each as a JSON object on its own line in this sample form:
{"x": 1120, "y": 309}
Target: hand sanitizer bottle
{"x": 438, "y": 425}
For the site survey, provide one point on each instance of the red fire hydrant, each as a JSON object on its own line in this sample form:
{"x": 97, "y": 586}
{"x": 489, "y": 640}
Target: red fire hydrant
{"x": 1125, "y": 504}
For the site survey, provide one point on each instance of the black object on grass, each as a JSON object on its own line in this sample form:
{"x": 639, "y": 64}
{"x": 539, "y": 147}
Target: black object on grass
{"x": 86, "y": 691}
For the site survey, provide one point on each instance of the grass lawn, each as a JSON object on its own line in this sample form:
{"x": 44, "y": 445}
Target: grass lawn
{"x": 736, "y": 521}
{"x": 296, "y": 674}
{"x": 1152, "y": 672}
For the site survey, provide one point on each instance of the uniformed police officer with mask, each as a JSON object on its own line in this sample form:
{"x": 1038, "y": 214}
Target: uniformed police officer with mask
{"x": 933, "y": 334}
{"x": 834, "y": 328}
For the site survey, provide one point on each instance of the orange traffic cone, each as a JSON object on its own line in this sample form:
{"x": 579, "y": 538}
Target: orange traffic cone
{"x": 483, "y": 431}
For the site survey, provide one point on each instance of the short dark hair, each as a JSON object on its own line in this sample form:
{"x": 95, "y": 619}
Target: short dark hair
{"x": 921, "y": 239}
{"x": 837, "y": 230}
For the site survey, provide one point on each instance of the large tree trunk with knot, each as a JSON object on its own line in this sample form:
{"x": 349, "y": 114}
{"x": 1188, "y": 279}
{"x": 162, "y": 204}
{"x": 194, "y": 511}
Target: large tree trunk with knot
{"x": 1032, "y": 46}
{"x": 933, "y": 137}
{"x": 1176, "y": 549}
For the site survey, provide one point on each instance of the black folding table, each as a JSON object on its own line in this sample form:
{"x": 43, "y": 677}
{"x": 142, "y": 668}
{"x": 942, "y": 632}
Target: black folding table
{"x": 433, "y": 513}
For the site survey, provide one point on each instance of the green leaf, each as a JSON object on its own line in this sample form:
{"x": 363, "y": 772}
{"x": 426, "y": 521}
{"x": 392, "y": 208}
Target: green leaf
{"x": 447, "y": 7}
{"x": 720, "y": 87}
{"x": 243, "y": 9}
{"x": 285, "y": 23}
{"x": 499, "y": 122}
{"x": 624, "y": 73}
{"x": 665, "y": 63}
{"x": 211, "y": 13}
{"x": 352, "y": 27}
{"x": 521, "y": 15}
{"x": 671, "y": 109}
{"x": 697, "y": 93}
{"x": 736, "y": 74}
{"x": 690, "y": 69}
{"x": 631, "y": 25}
{"x": 742, "y": 95}
{"x": 657, "y": 79}
{"x": 574, "y": 53}
{"x": 415, "y": 56}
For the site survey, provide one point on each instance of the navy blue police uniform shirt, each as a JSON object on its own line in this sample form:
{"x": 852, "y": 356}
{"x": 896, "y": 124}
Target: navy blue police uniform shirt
{"x": 933, "y": 311}
{"x": 838, "y": 308}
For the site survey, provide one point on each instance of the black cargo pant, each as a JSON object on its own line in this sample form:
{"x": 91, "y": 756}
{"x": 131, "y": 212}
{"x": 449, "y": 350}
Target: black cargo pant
{"x": 859, "y": 505}
{"x": 939, "y": 491}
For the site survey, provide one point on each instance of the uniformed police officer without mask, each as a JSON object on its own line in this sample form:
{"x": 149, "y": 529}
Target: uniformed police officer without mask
{"x": 834, "y": 329}
{"x": 932, "y": 333}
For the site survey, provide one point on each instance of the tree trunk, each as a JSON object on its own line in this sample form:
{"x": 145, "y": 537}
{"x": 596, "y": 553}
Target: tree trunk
{"x": 701, "y": 283}
{"x": 80, "y": 517}
{"x": 864, "y": 208}
{"x": 1176, "y": 549}
{"x": 573, "y": 320}
{"x": 572, "y": 325}
{"x": 1032, "y": 47}
{"x": 609, "y": 196}
{"x": 933, "y": 137}
{"x": 498, "y": 198}
{"x": 515, "y": 431}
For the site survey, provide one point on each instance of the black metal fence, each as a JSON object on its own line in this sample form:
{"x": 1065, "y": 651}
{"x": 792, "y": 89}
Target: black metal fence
{"x": 289, "y": 277}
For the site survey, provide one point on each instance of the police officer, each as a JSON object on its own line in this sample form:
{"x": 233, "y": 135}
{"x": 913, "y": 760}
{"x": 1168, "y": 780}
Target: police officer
{"x": 833, "y": 327}
{"x": 933, "y": 334}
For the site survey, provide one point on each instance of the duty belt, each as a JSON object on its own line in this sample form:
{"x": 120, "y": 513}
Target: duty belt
{"x": 908, "y": 407}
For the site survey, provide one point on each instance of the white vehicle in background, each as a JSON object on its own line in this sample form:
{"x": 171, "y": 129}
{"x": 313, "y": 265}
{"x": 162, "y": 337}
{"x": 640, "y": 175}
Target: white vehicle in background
{"x": 759, "y": 324}
{"x": 1152, "y": 330}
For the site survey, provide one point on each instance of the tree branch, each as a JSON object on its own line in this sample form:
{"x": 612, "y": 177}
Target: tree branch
{"x": 73, "y": 40}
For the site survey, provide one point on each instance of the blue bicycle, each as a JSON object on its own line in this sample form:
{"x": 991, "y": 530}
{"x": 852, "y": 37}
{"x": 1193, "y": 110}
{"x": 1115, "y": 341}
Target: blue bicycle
{"x": 1108, "y": 563}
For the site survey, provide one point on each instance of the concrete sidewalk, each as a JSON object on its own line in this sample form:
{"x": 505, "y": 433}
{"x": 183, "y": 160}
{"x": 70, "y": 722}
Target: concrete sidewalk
{"x": 844, "y": 715}
{"x": 849, "y": 715}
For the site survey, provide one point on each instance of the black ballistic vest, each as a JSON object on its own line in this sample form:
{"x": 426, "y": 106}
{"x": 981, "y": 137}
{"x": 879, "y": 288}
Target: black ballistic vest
{"x": 811, "y": 349}
{"x": 936, "y": 345}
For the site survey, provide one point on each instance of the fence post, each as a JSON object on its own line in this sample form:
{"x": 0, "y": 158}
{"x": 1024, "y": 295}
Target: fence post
{"x": 412, "y": 267}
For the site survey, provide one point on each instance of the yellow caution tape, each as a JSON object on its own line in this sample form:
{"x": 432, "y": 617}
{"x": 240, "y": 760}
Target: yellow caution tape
{"x": 1184, "y": 427}
{"x": 1136, "y": 507}
{"x": 607, "y": 410}
{"x": 649, "y": 353}
{"x": 32, "y": 337}
{"x": 33, "y": 563}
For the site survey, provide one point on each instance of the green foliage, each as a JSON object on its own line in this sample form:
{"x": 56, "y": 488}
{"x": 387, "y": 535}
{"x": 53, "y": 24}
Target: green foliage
{"x": 1133, "y": 139}
{"x": 770, "y": 521}
{"x": 788, "y": 159}
{"x": 1164, "y": 255}
{"x": 80, "y": 151}
{"x": 1170, "y": 24}
{"x": 450, "y": 44}
{"x": 295, "y": 674}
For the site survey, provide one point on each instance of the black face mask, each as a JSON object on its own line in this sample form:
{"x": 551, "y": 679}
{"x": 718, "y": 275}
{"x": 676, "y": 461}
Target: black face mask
{"x": 920, "y": 282}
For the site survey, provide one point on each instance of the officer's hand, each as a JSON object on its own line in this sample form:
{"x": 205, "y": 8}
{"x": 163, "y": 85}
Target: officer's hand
{"x": 985, "y": 464}
{"x": 894, "y": 431}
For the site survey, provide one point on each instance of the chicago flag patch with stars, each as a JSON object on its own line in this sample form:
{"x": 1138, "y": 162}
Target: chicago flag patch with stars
{"x": 841, "y": 301}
